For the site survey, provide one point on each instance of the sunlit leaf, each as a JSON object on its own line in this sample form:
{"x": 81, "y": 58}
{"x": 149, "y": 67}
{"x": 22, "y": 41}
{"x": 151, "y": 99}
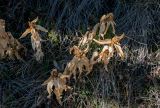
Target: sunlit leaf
{"x": 25, "y": 33}
{"x": 110, "y": 46}
{"x": 103, "y": 42}
{"x": 35, "y": 38}
{"x": 119, "y": 51}
{"x": 35, "y": 20}
{"x": 57, "y": 80}
{"x": 102, "y": 30}
{"x": 79, "y": 61}
{"x": 9, "y": 46}
{"x": 38, "y": 27}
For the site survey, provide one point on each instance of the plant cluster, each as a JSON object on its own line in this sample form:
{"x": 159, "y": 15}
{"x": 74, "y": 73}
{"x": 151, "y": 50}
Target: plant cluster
{"x": 80, "y": 62}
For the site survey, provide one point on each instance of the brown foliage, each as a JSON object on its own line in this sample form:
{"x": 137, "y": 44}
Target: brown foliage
{"x": 86, "y": 40}
{"x": 105, "y": 22}
{"x": 35, "y": 37}
{"x": 57, "y": 80}
{"x": 79, "y": 61}
{"x": 9, "y": 46}
{"x": 110, "y": 46}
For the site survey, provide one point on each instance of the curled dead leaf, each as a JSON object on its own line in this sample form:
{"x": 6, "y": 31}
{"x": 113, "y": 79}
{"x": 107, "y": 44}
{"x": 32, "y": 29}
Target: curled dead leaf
{"x": 79, "y": 61}
{"x": 9, "y": 46}
{"x": 110, "y": 46}
{"x": 57, "y": 80}
{"x": 105, "y": 22}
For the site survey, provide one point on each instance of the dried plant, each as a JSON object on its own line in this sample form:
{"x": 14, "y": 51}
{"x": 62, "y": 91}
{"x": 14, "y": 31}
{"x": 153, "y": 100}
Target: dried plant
{"x": 15, "y": 48}
{"x": 93, "y": 59}
{"x": 3, "y": 39}
{"x": 79, "y": 61}
{"x": 57, "y": 80}
{"x": 155, "y": 71}
{"x": 86, "y": 40}
{"x": 9, "y": 46}
{"x": 2, "y": 28}
{"x": 110, "y": 46}
{"x": 105, "y": 22}
{"x": 35, "y": 37}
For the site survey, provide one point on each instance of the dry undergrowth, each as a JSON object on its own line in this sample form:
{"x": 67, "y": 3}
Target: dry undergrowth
{"x": 35, "y": 38}
{"x": 80, "y": 62}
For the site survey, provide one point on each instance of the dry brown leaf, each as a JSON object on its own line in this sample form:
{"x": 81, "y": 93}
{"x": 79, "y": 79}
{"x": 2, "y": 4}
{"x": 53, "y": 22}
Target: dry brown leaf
{"x": 26, "y": 33}
{"x": 119, "y": 50}
{"x": 57, "y": 80}
{"x": 9, "y": 46}
{"x": 95, "y": 29}
{"x": 2, "y": 27}
{"x": 15, "y": 48}
{"x": 78, "y": 62}
{"x": 2, "y": 53}
{"x": 34, "y": 21}
{"x": 110, "y": 46}
{"x": 83, "y": 40}
{"x": 102, "y": 30}
{"x": 105, "y": 22}
{"x": 114, "y": 40}
{"x": 86, "y": 40}
{"x": 35, "y": 38}
{"x": 4, "y": 39}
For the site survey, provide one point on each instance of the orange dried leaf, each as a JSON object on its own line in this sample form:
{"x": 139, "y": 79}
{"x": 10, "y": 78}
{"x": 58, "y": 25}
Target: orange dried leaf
{"x": 103, "y": 42}
{"x": 79, "y": 61}
{"x": 35, "y": 38}
{"x": 119, "y": 51}
{"x": 9, "y": 46}
{"x": 110, "y": 46}
{"x": 57, "y": 80}
{"x": 35, "y": 20}
{"x": 25, "y": 33}
{"x": 105, "y": 22}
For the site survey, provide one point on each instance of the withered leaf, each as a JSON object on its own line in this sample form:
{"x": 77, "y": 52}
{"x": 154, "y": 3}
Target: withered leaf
{"x": 119, "y": 51}
{"x": 38, "y": 27}
{"x": 35, "y": 20}
{"x": 2, "y": 25}
{"x": 57, "y": 80}
{"x": 25, "y": 33}
{"x": 79, "y": 61}
{"x": 105, "y": 22}
{"x": 9, "y": 46}
{"x": 110, "y": 46}
{"x": 35, "y": 38}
